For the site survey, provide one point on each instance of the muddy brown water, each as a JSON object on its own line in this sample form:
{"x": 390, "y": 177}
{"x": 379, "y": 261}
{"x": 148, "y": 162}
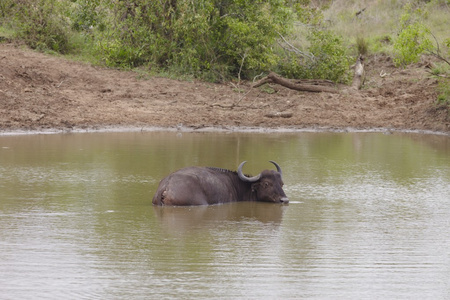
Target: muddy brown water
{"x": 368, "y": 218}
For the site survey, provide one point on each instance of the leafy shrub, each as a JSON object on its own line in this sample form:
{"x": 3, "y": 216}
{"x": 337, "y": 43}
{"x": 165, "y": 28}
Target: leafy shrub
{"x": 444, "y": 91}
{"x": 362, "y": 45}
{"x": 442, "y": 73}
{"x": 213, "y": 39}
{"x": 130, "y": 38}
{"x": 6, "y": 9}
{"x": 86, "y": 14}
{"x": 412, "y": 39}
{"x": 222, "y": 37}
{"x": 41, "y": 25}
{"x": 247, "y": 35}
{"x": 327, "y": 59}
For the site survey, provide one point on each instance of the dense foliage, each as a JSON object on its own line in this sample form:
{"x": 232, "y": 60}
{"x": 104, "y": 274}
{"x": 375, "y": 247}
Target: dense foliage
{"x": 39, "y": 23}
{"x": 214, "y": 39}
{"x": 195, "y": 37}
{"x": 327, "y": 59}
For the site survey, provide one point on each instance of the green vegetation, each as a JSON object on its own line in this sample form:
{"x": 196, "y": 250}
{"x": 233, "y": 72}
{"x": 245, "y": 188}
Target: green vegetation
{"x": 327, "y": 59}
{"x": 441, "y": 71}
{"x": 413, "y": 37}
{"x": 41, "y": 25}
{"x": 402, "y": 29}
{"x": 217, "y": 40}
{"x": 444, "y": 92}
{"x": 214, "y": 40}
{"x": 200, "y": 38}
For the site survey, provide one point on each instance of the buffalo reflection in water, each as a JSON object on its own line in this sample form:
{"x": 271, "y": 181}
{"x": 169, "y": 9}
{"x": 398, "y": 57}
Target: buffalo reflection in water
{"x": 181, "y": 218}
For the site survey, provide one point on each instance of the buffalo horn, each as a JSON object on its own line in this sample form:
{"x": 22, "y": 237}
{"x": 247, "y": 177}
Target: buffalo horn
{"x": 278, "y": 167}
{"x": 245, "y": 178}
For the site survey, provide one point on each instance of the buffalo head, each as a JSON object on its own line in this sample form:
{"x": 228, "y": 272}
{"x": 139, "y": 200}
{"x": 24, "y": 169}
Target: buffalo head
{"x": 267, "y": 185}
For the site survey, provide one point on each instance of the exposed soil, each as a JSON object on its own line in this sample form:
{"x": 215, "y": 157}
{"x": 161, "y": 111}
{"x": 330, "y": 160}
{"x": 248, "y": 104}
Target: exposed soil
{"x": 42, "y": 92}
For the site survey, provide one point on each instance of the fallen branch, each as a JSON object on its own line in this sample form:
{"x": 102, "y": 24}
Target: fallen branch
{"x": 316, "y": 86}
{"x": 275, "y": 78}
{"x": 262, "y": 82}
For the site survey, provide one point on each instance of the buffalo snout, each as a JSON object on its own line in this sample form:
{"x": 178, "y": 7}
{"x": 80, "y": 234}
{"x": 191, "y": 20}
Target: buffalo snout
{"x": 284, "y": 200}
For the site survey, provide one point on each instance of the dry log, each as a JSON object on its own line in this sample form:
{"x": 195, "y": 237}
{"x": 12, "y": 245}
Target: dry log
{"x": 320, "y": 86}
{"x": 321, "y": 82}
{"x": 262, "y": 82}
{"x": 275, "y": 78}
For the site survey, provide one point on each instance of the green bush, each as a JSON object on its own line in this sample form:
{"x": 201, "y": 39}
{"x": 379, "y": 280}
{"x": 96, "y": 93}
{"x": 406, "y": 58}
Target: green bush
{"x": 129, "y": 39}
{"x": 222, "y": 38}
{"x": 214, "y": 39}
{"x": 412, "y": 39}
{"x": 40, "y": 23}
{"x": 442, "y": 73}
{"x": 444, "y": 91}
{"x": 247, "y": 38}
{"x": 327, "y": 59}
{"x": 362, "y": 45}
{"x": 86, "y": 15}
{"x": 6, "y": 10}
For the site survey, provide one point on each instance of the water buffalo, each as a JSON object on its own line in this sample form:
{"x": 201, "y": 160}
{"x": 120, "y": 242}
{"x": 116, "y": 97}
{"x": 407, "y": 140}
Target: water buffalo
{"x": 203, "y": 186}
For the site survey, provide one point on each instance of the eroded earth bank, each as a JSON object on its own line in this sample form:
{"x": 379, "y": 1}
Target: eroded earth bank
{"x": 43, "y": 92}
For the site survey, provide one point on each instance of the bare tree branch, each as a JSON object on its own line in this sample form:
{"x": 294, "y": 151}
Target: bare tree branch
{"x": 438, "y": 50}
{"x": 294, "y": 49}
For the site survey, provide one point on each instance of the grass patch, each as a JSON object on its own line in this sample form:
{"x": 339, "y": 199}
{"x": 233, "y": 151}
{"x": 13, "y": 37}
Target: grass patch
{"x": 444, "y": 91}
{"x": 267, "y": 89}
{"x": 442, "y": 73}
{"x": 378, "y": 21}
{"x": 6, "y": 33}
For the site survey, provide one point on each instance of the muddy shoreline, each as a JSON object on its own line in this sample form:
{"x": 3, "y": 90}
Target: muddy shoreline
{"x": 41, "y": 93}
{"x": 115, "y": 129}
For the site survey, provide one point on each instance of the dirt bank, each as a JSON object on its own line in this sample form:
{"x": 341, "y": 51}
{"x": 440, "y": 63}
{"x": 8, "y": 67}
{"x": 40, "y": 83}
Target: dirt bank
{"x": 39, "y": 92}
